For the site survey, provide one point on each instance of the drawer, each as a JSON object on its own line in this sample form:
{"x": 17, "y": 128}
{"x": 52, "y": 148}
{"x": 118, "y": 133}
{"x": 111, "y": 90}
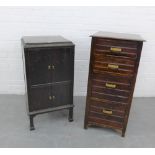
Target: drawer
{"x": 112, "y": 77}
{"x": 109, "y": 112}
{"x": 109, "y": 97}
{"x": 106, "y": 117}
{"x": 47, "y": 65}
{"x": 107, "y": 90}
{"x": 104, "y": 63}
{"x": 102, "y": 103}
{"x": 111, "y": 82}
{"x": 43, "y": 97}
{"x": 126, "y": 53}
{"x": 100, "y": 56}
{"x": 104, "y": 122}
{"x": 116, "y": 42}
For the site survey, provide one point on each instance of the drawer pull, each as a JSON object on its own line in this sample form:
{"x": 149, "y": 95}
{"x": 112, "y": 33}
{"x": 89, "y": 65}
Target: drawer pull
{"x": 113, "y": 66}
{"x": 114, "y": 49}
{"x": 51, "y": 97}
{"x": 109, "y": 112}
{"x": 109, "y": 85}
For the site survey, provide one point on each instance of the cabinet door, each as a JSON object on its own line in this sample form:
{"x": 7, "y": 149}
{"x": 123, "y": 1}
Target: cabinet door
{"x": 39, "y": 67}
{"x": 62, "y": 94}
{"x": 62, "y": 64}
{"x": 40, "y": 98}
{"x": 45, "y": 97}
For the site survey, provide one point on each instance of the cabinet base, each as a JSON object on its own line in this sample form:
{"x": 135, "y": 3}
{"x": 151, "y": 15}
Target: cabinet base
{"x": 32, "y": 114}
{"x": 120, "y": 131}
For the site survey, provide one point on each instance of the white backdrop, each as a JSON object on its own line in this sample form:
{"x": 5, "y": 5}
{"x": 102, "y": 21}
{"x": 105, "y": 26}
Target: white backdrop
{"x": 76, "y": 24}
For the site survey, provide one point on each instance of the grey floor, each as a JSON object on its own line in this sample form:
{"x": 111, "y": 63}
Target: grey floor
{"x": 54, "y": 130}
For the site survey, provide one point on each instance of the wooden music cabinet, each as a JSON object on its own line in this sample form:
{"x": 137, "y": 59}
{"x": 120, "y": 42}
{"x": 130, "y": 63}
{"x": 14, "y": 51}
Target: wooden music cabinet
{"x": 49, "y": 74}
{"x": 113, "y": 67}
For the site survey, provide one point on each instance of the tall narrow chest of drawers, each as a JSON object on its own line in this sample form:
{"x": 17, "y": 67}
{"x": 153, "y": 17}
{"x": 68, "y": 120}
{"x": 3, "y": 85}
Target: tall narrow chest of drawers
{"x": 114, "y": 62}
{"x": 49, "y": 74}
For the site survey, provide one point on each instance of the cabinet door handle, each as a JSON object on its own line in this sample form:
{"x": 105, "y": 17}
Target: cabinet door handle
{"x": 49, "y": 67}
{"x": 115, "y": 49}
{"x": 53, "y": 67}
{"x": 109, "y": 85}
{"x": 109, "y": 112}
{"x": 51, "y": 97}
{"x": 113, "y": 66}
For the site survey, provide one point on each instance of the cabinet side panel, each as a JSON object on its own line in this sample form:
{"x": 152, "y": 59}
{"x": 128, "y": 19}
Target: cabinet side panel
{"x": 89, "y": 84}
{"x": 24, "y": 55}
{"x": 139, "y": 49}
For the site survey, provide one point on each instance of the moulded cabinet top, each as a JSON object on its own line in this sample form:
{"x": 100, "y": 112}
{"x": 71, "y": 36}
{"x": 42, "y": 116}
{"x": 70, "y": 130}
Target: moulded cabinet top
{"x": 121, "y": 36}
{"x": 41, "y": 41}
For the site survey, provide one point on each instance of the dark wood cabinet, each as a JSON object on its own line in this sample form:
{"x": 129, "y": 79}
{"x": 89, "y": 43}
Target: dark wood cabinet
{"x": 49, "y": 74}
{"x": 114, "y": 62}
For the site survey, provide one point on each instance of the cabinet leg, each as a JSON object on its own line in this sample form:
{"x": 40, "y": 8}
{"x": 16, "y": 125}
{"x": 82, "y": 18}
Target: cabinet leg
{"x": 31, "y": 123}
{"x": 123, "y": 133}
{"x": 70, "y": 117}
{"x": 85, "y": 126}
{"x": 85, "y": 122}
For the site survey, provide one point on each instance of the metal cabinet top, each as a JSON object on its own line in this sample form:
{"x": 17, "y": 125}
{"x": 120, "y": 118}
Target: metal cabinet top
{"x": 45, "y": 41}
{"x": 121, "y": 36}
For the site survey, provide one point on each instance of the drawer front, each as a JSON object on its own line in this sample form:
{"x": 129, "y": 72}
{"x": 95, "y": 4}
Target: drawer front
{"x": 111, "y": 82}
{"x": 126, "y": 49}
{"x": 105, "y": 114}
{"x": 117, "y": 51}
{"x": 106, "y": 111}
{"x": 47, "y": 65}
{"x": 111, "y": 91}
{"x": 104, "y": 122}
{"x": 110, "y": 88}
{"x": 112, "y": 77}
{"x": 102, "y": 103}
{"x": 116, "y": 42}
{"x": 44, "y": 97}
{"x": 107, "y": 63}
{"x": 110, "y": 97}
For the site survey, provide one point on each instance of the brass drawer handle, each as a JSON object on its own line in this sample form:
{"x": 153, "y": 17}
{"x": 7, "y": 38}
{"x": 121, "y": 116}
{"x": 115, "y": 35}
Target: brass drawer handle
{"x": 113, "y": 66}
{"x": 109, "y": 85}
{"x": 51, "y": 97}
{"x": 109, "y": 112}
{"x": 115, "y": 49}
